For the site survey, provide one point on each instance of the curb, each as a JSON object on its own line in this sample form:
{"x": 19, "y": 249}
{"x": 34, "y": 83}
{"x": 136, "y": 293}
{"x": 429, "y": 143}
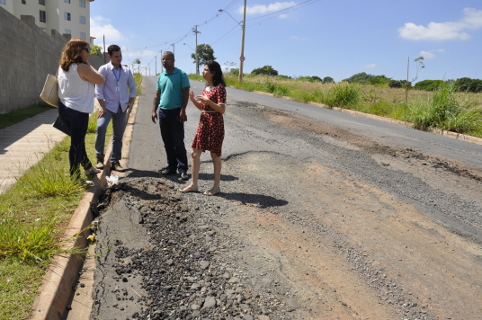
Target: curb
{"x": 56, "y": 291}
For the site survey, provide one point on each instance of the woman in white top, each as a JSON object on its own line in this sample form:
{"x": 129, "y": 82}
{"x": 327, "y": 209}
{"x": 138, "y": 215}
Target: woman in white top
{"x": 76, "y": 79}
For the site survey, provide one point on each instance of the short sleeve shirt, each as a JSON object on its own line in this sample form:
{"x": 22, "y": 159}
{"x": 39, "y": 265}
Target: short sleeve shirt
{"x": 170, "y": 85}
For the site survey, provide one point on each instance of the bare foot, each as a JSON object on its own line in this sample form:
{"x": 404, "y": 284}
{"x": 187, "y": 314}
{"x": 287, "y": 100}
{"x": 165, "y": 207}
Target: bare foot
{"x": 212, "y": 191}
{"x": 189, "y": 188}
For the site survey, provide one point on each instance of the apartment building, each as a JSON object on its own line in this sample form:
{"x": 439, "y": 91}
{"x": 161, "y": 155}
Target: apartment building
{"x": 65, "y": 16}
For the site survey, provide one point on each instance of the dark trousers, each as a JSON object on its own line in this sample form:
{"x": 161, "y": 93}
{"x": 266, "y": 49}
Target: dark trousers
{"x": 77, "y": 123}
{"x": 172, "y": 132}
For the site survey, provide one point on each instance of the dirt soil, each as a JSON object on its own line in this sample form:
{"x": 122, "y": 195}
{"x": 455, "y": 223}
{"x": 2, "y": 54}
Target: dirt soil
{"x": 364, "y": 233}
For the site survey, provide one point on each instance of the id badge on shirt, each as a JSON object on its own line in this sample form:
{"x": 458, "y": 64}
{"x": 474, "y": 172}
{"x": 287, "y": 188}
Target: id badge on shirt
{"x": 117, "y": 88}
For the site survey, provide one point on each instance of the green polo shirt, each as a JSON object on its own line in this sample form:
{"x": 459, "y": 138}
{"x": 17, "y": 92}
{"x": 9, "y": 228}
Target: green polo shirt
{"x": 171, "y": 86}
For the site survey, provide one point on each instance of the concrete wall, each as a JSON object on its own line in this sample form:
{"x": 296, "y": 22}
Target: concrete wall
{"x": 28, "y": 54}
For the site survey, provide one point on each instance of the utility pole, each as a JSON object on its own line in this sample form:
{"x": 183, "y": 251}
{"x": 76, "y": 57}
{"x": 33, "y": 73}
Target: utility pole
{"x": 162, "y": 67}
{"x": 195, "y": 51}
{"x": 103, "y": 54}
{"x": 242, "y": 57}
{"x": 173, "y": 48}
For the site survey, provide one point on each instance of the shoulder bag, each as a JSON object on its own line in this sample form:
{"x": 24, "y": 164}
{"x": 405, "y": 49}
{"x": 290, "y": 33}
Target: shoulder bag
{"x": 50, "y": 91}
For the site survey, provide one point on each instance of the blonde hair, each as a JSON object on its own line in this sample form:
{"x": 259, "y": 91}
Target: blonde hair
{"x": 72, "y": 53}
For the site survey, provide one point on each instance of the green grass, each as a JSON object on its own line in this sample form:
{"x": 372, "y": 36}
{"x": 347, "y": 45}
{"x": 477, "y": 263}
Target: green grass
{"x": 453, "y": 111}
{"x": 18, "y": 288}
{"x": 34, "y": 213}
{"x": 19, "y": 115}
{"x": 445, "y": 111}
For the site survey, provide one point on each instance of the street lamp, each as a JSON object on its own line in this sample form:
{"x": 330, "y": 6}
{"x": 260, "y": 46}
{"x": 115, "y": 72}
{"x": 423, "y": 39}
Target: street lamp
{"x": 241, "y": 56}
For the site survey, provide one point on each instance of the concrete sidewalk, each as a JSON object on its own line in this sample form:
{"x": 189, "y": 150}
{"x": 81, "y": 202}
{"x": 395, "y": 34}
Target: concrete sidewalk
{"x": 24, "y": 144}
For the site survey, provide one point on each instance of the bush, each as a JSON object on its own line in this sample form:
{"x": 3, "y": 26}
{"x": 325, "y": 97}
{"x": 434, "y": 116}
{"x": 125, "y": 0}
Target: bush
{"x": 469, "y": 85}
{"x": 342, "y": 95}
{"x": 399, "y": 84}
{"x": 445, "y": 112}
{"x": 430, "y": 85}
{"x": 267, "y": 70}
{"x": 310, "y": 79}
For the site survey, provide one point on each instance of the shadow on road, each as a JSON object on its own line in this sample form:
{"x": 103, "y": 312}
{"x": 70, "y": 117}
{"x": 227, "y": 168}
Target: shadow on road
{"x": 260, "y": 200}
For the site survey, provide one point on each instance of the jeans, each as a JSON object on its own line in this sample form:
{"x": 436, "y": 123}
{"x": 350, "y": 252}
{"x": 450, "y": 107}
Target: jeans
{"x": 78, "y": 123}
{"x": 119, "y": 122}
{"x": 172, "y": 132}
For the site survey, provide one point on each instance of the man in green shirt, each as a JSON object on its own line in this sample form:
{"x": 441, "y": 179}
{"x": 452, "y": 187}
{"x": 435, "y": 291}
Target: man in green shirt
{"x": 172, "y": 96}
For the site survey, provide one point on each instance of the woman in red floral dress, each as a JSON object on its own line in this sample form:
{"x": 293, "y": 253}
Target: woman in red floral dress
{"x": 210, "y": 131}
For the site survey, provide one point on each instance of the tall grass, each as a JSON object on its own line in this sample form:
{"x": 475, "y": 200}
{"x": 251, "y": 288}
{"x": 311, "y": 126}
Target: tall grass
{"x": 342, "y": 94}
{"x": 34, "y": 241}
{"x": 445, "y": 111}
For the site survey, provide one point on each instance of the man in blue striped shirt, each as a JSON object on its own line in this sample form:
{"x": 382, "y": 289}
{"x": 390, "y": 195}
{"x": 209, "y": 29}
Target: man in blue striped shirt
{"x": 115, "y": 97}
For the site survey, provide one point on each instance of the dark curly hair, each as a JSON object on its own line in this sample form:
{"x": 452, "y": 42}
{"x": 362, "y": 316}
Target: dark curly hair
{"x": 215, "y": 68}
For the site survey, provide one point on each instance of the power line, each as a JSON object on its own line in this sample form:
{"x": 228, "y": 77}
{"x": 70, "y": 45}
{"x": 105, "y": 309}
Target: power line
{"x": 297, "y": 6}
{"x": 231, "y": 4}
{"x": 270, "y": 15}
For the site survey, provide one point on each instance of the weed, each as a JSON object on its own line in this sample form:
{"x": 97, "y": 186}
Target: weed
{"x": 445, "y": 111}
{"x": 46, "y": 180}
{"x": 343, "y": 95}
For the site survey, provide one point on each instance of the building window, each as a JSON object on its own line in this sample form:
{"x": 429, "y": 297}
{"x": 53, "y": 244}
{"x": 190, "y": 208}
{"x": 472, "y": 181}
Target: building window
{"x": 83, "y": 35}
{"x": 42, "y": 2}
{"x": 67, "y": 31}
{"x": 82, "y": 20}
{"x": 3, "y": 2}
{"x": 67, "y": 1}
{"x": 67, "y": 16}
{"x": 82, "y": 3}
{"x": 43, "y": 16}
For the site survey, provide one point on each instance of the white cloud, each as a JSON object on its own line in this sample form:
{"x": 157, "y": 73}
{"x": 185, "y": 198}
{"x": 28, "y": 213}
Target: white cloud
{"x": 100, "y": 27}
{"x": 264, "y": 9}
{"x": 472, "y": 20}
{"x": 430, "y": 54}
{"x": 138, "y": 53}
{"x": 427, "y": 55}
{"x": 372, "y": 65}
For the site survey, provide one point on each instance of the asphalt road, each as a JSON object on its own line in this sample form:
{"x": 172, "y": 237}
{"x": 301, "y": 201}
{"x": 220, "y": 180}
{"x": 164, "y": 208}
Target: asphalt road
{"x": 384, "y": 132}
{"x": 379, "y": 198}
{"x": 147, "y": 153}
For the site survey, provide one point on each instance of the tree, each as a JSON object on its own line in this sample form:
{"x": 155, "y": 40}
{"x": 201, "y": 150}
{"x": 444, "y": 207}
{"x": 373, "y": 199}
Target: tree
{"x": 362, "y": 78}
{"x": 430, "y": 85}
{"x": 267, "y": 70}
{"x": 138, "y": 62}
{"x": 379, "y": 80}
{"x": 204, "y": 54}
{"x": 468, "y": 85}
{"x": 328, "y": 80}
{"x": 399, "y": 84}
{"x": 95, "y": 50}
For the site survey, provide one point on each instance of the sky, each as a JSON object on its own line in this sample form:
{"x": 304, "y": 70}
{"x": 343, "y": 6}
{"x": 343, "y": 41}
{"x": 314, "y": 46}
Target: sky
{"x": 335, "y": 38}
